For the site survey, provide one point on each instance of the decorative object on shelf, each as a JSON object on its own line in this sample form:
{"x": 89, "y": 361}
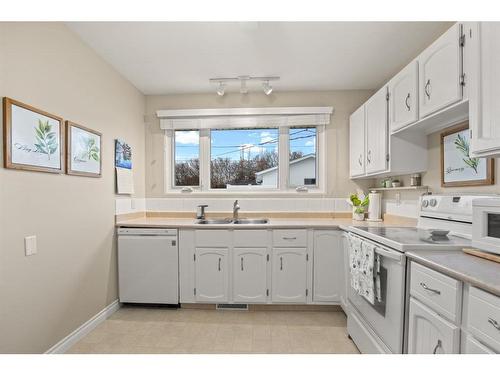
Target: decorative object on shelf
{"x": 387, "y": 183}
{"x": 359, "y": 205}
{"x": 457, "y": 167}
{"x": 33, "y": 139}
{"x": 396, "y": 183}
{"x": 375, "y": 206}
{"x": 84, "y": 150}
{"x": 415, "y": 180}
{"x": 123, "y": 166}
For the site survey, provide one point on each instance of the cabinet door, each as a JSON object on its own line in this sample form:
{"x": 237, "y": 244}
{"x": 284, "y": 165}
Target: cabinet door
{"x": 357, "y": 142}
{"x": 211, "y": 275}
{"x": 484, "y": 90}
{"x": 403, "y": 99}
{"x": 289, "y": 275}
{"x": 250, "y": 275}
{"x": 429, "y": 333}
{"x": 327, "y": 266}
{"x": 376, "y": 132}
{"x": 440, "y": 68}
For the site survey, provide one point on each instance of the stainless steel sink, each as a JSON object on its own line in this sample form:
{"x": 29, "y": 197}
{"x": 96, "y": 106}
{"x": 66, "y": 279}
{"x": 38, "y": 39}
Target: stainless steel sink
{"x": 214, "y": 221}
{"x": 251, "y": 221}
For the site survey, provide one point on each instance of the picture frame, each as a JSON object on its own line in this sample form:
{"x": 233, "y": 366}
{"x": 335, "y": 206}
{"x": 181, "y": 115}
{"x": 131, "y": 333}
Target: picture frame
{"x": 83, "y": 151}
{"x": 33, "y": 139}
{"x": 457, "y": 168}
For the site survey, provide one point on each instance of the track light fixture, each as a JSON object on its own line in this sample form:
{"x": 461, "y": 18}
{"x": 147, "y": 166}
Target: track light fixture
{"x": 268, "y": 89}
{"x": 243, "y": 80}
{"x": 221, "y": 89}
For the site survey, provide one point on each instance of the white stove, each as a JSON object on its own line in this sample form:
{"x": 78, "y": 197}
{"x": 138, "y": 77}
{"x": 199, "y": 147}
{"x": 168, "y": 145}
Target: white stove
{"x": 379, "y": 327}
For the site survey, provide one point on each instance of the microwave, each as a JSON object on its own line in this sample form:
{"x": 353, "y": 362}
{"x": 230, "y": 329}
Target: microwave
{"x": 486, "y": 224}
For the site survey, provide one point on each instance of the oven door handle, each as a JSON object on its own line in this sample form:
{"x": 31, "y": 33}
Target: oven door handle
{"x": 389, "y": 254}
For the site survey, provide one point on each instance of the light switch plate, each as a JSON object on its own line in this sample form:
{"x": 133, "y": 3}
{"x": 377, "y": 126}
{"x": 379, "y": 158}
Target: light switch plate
{"x": 30, "y": 247}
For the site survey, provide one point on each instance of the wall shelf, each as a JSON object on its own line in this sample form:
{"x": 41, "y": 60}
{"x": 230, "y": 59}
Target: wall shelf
{"x": 399, "y": 188}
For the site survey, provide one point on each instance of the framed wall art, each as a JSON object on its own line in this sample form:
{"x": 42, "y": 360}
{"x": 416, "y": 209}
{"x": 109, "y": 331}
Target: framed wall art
{"x": 33, "y": 139}
{"x": 457, "y": 168}
{"x": 84, "y": 150}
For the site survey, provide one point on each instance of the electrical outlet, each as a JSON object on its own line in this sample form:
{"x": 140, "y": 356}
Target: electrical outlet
{"x": 30, "y": 247}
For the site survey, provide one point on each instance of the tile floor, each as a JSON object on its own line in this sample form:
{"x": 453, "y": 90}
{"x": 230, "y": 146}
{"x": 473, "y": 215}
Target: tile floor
{"x": 160, "y": 330}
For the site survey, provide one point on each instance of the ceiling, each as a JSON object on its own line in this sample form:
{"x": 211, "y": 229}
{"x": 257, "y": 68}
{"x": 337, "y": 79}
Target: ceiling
{"x": 180, "y": 57}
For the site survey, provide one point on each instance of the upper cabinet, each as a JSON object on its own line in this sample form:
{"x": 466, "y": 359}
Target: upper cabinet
{"x": 440, "y": 72}
{"x": 357, "y": 143}
{"x": 376, "y": 132}
{"x": 403, "y": 97}
{"x": 484, "y": 90}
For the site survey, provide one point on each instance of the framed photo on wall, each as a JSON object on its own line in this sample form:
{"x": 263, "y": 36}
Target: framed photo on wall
{"x": 33, "y": 139}
{"x": 457, "y": 168}
{"x": 84, "y": 151}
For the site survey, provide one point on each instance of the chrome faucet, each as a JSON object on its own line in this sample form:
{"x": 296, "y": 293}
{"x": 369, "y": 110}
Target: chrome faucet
{"x": 236, "y": 208}
{"x": 200, "y": 213}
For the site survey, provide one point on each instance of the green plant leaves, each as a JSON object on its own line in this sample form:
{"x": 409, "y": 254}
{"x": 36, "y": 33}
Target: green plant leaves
{"x": 46, "y": 140}
{"x": 463, "y": 146}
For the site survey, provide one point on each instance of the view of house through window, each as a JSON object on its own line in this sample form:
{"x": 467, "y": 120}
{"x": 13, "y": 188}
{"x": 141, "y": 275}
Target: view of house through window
{"x": 302, "y": 161}
{"x": 238, "y": 157}
{"x": 187, "y": 158}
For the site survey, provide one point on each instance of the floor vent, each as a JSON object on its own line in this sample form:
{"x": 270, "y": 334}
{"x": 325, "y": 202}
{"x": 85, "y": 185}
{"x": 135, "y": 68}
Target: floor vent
{"x": 232, "y": 306}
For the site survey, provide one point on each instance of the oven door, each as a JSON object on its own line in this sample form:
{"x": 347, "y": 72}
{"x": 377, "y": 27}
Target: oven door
{"x": 385, "y": 318}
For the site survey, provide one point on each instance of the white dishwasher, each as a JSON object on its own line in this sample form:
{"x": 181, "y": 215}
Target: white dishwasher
{"x": 148, "y": 265}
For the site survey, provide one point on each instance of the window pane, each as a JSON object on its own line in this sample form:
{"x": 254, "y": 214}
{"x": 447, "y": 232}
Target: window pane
{"x": 302, "y": 167}
{"x": 244, "y": 157}
{"x": 187, "y": 158}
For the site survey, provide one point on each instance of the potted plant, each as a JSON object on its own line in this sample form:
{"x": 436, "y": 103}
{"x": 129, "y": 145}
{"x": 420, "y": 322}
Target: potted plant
{"x": 359, "y": 206}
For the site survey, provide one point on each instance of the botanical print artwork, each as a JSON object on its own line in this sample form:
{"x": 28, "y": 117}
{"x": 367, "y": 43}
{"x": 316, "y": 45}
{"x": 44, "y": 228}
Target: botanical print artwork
{"x": 123, "y": 155}
{"x": 35, "y": 139}
{"x": 84, "y": 151}
{"x": 458, "y": 167}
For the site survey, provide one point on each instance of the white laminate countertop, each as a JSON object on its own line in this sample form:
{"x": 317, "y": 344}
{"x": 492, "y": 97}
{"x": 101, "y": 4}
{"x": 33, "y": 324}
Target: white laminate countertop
{"x": 481, "y": 273}
{"x": 165, "y": 222}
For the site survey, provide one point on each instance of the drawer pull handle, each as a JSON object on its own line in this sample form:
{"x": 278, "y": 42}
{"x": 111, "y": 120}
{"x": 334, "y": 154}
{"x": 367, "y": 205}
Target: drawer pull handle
{"x": 219, "y": 264}
{"x": 281, "y": 263}
{"x": 494, "y": 323}
{"x": 430, "y": 289}
{"x": 242, "y": 263}
{"x": 438, "y": 345}
{"x": 406, "y": 102}
{"x": 289, "y": 238}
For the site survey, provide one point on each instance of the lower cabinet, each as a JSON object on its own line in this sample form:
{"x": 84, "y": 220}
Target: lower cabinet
{"x": 328, "y": 271}
{"x": 429, "y": 333}
{"x": 211, "y": 275}
{"x": 250, "y": 275}
{"x": 289, "y": 276}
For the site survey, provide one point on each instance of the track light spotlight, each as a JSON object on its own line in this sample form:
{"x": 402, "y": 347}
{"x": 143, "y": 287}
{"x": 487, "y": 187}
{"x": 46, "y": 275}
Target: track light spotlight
{"x": 221, "y": 88}
{"x": 268, "y": 89}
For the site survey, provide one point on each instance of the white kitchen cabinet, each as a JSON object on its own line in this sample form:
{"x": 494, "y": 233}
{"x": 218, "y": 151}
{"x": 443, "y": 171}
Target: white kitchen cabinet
{"x": 289, "y": 276}
{"x": 484, "y": 89}
{"x": 403, "y": 97}
{"x": 211, "y": 275}
{"x": 376, "y": 128}
{"x": 357, "y": 142}
{"x": 440, "y": 73}
{"x": 429, "y": 333}
{"x": 328, "y": 267}
{"x": 250, "y": 275}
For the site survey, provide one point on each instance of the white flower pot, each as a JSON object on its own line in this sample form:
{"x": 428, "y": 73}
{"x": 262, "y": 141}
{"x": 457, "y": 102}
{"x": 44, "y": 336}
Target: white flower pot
{"x": 358, "y": 216}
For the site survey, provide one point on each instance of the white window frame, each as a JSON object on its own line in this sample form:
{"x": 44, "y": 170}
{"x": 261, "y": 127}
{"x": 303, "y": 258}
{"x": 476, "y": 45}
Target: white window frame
{"x": 237, "y": 118}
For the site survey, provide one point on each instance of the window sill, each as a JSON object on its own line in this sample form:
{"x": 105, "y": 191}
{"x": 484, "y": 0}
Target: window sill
{"x": 272, "y": 193}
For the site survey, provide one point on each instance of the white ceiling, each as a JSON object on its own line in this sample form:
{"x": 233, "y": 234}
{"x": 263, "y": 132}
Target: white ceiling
{"x": 180, "y": 57}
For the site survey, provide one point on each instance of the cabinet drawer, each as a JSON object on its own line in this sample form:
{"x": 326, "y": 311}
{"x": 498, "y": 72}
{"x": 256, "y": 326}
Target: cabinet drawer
{"x": 212, "y": 238}
{"x": 250, "y": 238}
{"x": 290, "y": 238}
{"x": 472, "y": 346}
{"x": 440, "y": 292}
{"x": 483, "y": 317}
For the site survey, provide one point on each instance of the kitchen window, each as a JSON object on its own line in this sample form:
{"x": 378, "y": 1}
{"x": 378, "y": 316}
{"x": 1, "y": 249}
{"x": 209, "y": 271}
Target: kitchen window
{"x": 255, "y": 150}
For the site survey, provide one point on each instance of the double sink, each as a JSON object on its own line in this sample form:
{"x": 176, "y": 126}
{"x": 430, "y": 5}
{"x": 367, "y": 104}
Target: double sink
{"x": 232, "y": 221}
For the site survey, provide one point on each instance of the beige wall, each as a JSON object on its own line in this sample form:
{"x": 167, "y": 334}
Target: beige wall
{"x": 343, "y": 102}
{"x": 46, "y": 296}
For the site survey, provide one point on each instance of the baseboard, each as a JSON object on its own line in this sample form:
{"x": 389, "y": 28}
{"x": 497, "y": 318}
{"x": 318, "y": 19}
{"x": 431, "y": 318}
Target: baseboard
{"x": 62, "y": 346}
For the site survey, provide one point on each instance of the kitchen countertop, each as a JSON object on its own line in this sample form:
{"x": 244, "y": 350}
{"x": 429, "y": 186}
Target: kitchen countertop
{"x": 482, "y": 273}
{"x": 169, "y": 222}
